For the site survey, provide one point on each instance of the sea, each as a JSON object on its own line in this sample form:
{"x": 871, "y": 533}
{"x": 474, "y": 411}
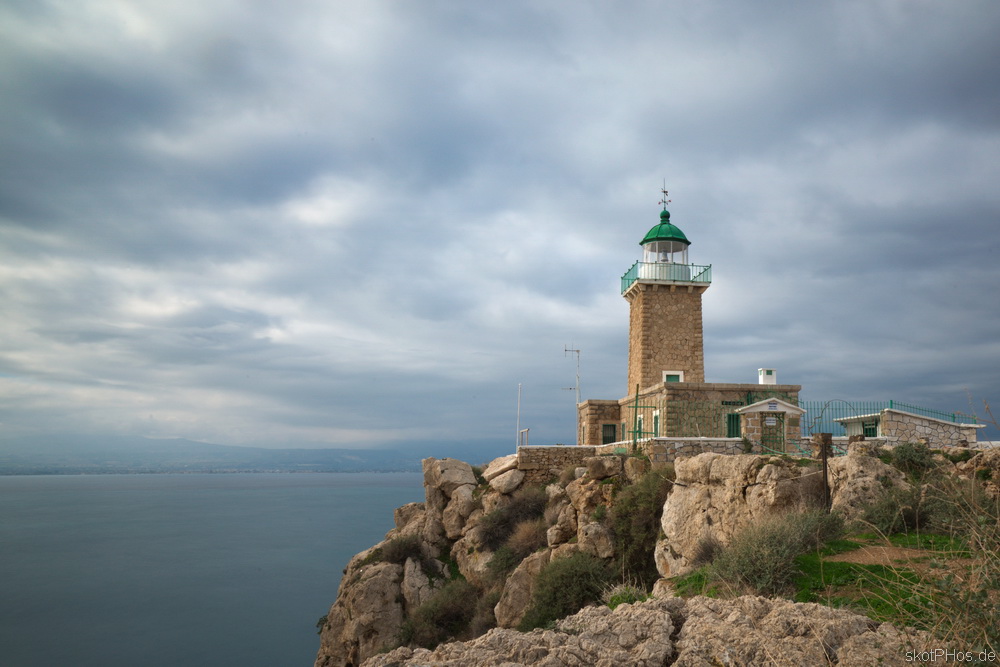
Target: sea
{"x": 181, "y": 569}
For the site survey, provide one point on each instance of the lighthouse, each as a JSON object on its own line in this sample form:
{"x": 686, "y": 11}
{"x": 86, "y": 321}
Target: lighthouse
{"x": 668, "y": 405}
{"x": 664, "y": 291}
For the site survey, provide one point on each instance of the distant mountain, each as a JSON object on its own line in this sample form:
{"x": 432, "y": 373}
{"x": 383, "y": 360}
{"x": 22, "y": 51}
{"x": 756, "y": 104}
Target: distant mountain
{"x": 70, "y": 454}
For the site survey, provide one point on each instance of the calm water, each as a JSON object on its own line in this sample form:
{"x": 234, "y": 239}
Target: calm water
{"x": 127, "y": 570}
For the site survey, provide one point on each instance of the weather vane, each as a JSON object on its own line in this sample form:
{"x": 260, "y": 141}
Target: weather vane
{"x": 664, "y": 201}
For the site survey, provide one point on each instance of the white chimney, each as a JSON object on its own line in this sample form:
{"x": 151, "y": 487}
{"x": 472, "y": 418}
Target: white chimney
{"x": 767, "y": 376}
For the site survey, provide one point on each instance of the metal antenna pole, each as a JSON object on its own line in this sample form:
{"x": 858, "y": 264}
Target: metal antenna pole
{"x": 566, "y": 350}
{"x": 517, "y": 432}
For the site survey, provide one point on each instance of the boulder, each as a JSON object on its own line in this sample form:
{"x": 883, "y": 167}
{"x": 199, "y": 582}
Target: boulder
{"x": 507, "y": 482}
{"x": 518, "y": 589}
{"x": 471, "y": 561}
{"x": 635, "y": 468}
{"x": 858, "y": 481}
{"x": 460, "y": 506}
{"x": 446, "y": 475}
{"x": 565, "y": 526}
{"x": 585, "y": 495}
{"x": 499, "y": 466}
{"x": 602, "y": 467}
{"x": 595, "y": 539}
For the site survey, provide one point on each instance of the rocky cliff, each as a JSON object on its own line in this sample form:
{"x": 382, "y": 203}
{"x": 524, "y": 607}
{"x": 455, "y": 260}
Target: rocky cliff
{"x": 469, "y": 557}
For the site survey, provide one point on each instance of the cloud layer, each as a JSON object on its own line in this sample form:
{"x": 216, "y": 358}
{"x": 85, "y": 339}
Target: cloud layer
{"x": 365, "y": 223}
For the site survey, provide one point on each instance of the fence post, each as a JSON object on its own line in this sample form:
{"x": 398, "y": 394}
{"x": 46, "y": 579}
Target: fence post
{"x": 823, "y": 442}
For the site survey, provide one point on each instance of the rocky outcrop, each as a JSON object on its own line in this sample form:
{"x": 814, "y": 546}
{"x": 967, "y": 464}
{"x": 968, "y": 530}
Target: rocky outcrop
{"x": 717, "y": 495}
{"x": 518, "y": 590}
{"x": 858, "y": 481}
{"x": 699, "y": 631}
{"x": 984, "y": 466}
{"x": 365, "y": 617}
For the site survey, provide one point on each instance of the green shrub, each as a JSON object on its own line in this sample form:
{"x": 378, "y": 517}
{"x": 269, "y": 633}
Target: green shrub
{"x": 527, "y": 537}
{"x": 623, "y": 594}
{"x": 706, "y": 550}
{"x": 444, "y": 616}
{"x": 913, "y": 458}
{"x": 398, "y": 549}
{"x": 635, "y": 525}
{"x": 484, "y": 618}
{"x": 762, "y": 556}
{"x": 563, "y": 587}
{"x": 503, "y": 562}
{"x": 960, "y": 456}
{"x": 899, "y": 510}
{"x": 526, "y": 503}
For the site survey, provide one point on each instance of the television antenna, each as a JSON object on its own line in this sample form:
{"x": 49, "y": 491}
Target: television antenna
{"x": 566, "y": 350}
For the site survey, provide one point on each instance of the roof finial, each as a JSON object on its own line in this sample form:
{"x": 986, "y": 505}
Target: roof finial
{"x": 664, "y": 201}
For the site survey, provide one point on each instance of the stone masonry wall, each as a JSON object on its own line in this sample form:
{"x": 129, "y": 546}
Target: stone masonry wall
{"x": 539, "y": 463}
{"x": 665, "y": 333}
{"x": 667, "y": 450}
{"x": 591, "y": 417}
{"x": 900, "y": 427}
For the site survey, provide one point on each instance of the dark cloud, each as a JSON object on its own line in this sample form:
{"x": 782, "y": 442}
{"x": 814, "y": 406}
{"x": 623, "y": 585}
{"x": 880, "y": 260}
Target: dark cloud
{"x": 369, "y": 223}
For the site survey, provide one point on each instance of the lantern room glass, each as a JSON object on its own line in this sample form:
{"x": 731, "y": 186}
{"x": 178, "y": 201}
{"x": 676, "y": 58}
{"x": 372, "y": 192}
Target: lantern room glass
{"x": 673, "y": 252}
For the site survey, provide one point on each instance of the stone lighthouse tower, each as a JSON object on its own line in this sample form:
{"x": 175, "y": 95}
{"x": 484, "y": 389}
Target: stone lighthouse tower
{"x": 664, "y": 294}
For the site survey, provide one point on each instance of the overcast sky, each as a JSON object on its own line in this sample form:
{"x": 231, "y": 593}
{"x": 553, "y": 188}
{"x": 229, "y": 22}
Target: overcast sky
{"x": 365, "y": 223}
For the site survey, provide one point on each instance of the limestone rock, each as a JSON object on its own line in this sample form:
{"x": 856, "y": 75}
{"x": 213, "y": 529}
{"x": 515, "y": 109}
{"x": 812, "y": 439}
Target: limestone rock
{"x": 507, "y": 482}
{"x": 460, "y": 506}
{"x": 407, "y": 513}
{"x": 595, "y": 539}
{"x": 602, "y": 467}
{"x": 518, "y": 589}
{"x": 416, "y": 586}
{"x": 494, "y": 500}
{"x": 716, "y": 495}
{"x": 635, "y": 468}
{"x": 759, "y": 631}
{"x": 700, "y": 631}
{"x": 858, "y": 481}
{"x": 446, "y": 475}
{"x": 366, "y": 616}
{"x": 629, "y": 635}
{"x": 471, "y": 560}
{"x": 555, "y": 493}
{"x": 585, "y": 495}
{"x": 984, "y": 466}
{"x": 499, "y": 466}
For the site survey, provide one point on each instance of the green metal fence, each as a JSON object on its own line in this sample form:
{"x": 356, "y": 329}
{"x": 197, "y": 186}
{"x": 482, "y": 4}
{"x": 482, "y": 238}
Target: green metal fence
{"x": 821, "y": 416}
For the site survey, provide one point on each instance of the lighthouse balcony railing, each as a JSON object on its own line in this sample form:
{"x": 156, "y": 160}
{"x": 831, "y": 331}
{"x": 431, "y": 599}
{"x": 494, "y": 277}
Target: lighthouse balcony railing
{"x": 667, "y": 272}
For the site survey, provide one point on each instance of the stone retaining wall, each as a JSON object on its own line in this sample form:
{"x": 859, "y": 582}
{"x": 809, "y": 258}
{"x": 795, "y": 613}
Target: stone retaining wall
{"x": 539, "y": 464}
{"x": 666, "y": 450}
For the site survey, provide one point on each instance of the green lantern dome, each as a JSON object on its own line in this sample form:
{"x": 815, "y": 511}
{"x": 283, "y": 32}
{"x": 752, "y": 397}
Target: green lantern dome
{"x": 665, "y": 232}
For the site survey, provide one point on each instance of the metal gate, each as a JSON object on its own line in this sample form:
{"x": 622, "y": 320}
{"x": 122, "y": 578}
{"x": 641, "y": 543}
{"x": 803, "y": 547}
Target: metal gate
{"x": 772, "y": 429}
